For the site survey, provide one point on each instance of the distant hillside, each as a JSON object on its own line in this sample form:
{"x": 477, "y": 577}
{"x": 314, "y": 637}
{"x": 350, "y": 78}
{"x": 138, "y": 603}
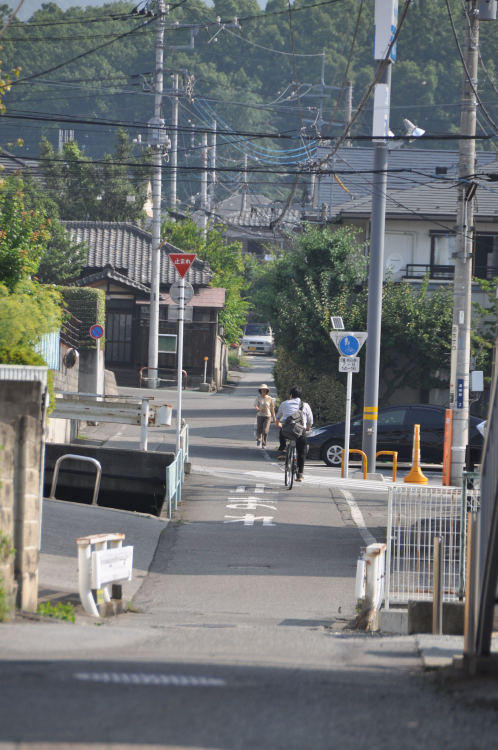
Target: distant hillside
{"x": 262, "y": 78}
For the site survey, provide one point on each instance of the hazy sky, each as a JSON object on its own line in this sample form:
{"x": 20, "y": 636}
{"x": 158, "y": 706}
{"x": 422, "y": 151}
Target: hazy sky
{"x": 29, "y": 6}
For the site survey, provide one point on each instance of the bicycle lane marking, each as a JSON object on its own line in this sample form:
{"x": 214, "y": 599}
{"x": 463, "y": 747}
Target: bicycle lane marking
{"x": 250, "y": 499}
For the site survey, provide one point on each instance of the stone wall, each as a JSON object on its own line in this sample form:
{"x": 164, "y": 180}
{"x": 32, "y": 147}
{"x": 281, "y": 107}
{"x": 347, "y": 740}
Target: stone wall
{"x": 20, "y": 490}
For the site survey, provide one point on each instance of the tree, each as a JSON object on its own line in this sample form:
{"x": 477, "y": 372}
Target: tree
{"x": 225, "y": 259}
{"x": 27, "y": 309}
{"x": 83, "y": 190}
{"x": 61, "y": 259}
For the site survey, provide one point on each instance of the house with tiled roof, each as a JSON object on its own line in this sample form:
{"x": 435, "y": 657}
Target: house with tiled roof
{"x": 420, "y": 229}
{"x": 119, "y": 262}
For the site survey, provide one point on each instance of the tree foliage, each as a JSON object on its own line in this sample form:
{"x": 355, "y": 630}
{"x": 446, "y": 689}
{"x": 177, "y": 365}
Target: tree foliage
{"x": 323, "y": 274}
{"x": 28, "y": 310}
{"x": 107, "y": 191}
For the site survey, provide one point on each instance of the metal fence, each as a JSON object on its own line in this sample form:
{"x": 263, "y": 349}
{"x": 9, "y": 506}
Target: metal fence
{"x": 24, "y": 372}
{"x": 415, "y": 516}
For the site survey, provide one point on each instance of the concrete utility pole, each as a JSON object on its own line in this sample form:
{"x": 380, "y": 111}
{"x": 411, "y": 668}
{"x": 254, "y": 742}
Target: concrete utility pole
{"x": 174, "y": 143}
{"x": 462, "y": 289}
{"x": 159, "y": 141}
{"x": 212, "y": 164}
{"x": 386, "y": 14}
{"x": 204, "y": 182}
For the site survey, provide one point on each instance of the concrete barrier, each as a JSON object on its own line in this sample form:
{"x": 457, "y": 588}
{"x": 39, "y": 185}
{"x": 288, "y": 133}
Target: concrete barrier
{"x": 131, "y": 479}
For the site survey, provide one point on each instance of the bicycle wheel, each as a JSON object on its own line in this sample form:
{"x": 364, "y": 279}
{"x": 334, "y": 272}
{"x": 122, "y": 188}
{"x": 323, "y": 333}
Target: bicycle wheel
{"x": 290, "y": 465}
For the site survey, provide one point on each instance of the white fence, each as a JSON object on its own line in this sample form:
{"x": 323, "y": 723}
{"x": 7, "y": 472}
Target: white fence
{"x": 415, "y": 516}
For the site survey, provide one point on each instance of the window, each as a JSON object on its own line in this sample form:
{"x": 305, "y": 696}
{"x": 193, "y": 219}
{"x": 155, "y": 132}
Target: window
{"x": 392, "y": 418}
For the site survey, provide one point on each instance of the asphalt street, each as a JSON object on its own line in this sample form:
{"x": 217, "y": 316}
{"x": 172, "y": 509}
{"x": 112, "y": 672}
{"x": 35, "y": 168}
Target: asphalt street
{"x": 237, "y": 636}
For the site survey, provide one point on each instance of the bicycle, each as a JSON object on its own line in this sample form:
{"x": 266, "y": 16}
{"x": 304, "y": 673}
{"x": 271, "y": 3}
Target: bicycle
{"x": 290, "y": 463}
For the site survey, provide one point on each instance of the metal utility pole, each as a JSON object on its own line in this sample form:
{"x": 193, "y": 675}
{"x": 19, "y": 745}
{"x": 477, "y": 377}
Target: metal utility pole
{"x": 386, "y": 14}
{"x": 159, "y": 142}
{"x": 462, "y": 289}
{"x": 174, "y": 143}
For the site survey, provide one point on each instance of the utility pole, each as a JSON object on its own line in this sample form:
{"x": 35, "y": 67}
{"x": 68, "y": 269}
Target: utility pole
{"x": 204, "y": 182}
{"x": 349, "y": 110}
{"x": 243, "y": 200}
{"x": 174, "y": 143}
{"x": 159, "y": 142}
{"x": 386, "y": 14}
{"x": 465, "y": 239}
{"x": 212, "y": 164}
{"x": 462, "y": 288}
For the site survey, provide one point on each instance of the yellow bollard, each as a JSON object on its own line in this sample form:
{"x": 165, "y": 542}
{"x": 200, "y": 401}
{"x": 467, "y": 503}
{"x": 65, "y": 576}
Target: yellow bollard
{"x": 415, "y": 475}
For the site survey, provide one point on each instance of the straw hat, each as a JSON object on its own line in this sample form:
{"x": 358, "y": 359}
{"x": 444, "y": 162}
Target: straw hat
{"x": 263, "y": 387}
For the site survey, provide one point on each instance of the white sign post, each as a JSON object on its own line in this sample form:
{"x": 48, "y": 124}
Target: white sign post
{"x": 348, "y": 345}
{"x": 182, "y": 262}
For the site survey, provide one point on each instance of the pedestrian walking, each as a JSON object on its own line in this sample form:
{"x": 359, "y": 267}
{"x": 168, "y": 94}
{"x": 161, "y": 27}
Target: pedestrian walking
{"x": 264, "y": 413}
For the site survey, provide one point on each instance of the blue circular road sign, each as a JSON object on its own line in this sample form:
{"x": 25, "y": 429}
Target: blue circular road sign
{"x": 349, "y": 346}
{"x": 96, "y": 331}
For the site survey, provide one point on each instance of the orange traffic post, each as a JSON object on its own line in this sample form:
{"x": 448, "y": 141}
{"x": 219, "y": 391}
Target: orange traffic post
{"x": 415, "y": 475}
{"x": 394, "y": 454}
{"x": 364, "y": 461}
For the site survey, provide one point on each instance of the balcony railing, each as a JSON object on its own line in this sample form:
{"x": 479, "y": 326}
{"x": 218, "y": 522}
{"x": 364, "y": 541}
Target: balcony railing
{"x": 420, "y": 270}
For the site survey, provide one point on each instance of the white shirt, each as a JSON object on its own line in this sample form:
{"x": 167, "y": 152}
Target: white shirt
{"x": 288, "y": 407}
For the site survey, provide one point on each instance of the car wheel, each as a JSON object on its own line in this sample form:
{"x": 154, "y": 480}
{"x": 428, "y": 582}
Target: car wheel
{"x": 332, "y": 453}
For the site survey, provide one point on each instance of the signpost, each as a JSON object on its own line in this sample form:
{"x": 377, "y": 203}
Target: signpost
{"x": 182, "y": 263}
{"x": 348, "y": 344}
{"x": 96, "y": 332}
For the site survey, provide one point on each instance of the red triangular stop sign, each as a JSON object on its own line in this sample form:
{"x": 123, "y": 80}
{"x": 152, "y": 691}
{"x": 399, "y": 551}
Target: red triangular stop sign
{"x": 182, "y": 261}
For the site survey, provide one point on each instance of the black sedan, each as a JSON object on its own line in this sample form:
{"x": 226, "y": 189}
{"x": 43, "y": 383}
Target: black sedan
{"x": 394, "y": 433}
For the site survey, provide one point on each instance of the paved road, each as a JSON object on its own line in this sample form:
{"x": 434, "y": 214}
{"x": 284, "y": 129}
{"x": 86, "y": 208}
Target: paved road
{"x": 237, "y": 640}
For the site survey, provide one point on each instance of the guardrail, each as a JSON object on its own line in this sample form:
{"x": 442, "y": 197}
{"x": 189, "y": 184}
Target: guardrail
{"x": 173, "y": 380}
{"x": 75, "y": 457}
{"x": 394, "y": 454}
{"x": 175, "y": 473}
{"x": 364, "y": 460}
{"x": 94, "y": 408}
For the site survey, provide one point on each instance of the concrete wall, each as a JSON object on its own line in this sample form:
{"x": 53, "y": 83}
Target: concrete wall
{"x": 20, "y": 492}
{"x": 65, "y": 379}
{"x": 91, "y": 371}
{"x": 131, "y": 479}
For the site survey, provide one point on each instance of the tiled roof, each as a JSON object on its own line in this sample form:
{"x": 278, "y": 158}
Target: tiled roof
{"x": 415, "y": 165}
{"x": 257, "y": 216}
{"x": 126, "y": 246}
{"x": 110, "y": 273}
{"x": 436, "y": 199}
{"x": 210, "y": 296}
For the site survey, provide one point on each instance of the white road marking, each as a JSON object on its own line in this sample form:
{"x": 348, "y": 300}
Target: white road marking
{"x": 309, "y": 479}
{"x": 140, "y": 678}
{"x": 358, "y": 519}
{"x": 249, "y": 519}
{"x": 250, "y": 505}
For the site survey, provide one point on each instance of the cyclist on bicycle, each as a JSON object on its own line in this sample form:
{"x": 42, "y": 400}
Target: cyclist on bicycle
{"x": 286, "y": 408}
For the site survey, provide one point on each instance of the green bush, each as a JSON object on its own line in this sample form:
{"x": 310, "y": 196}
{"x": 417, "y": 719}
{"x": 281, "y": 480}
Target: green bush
{"x": 324, "y": 393}
{"x": 88, "y": 305}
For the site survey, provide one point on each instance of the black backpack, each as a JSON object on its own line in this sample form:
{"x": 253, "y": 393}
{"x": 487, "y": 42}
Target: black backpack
{"x": 293, "y": 427}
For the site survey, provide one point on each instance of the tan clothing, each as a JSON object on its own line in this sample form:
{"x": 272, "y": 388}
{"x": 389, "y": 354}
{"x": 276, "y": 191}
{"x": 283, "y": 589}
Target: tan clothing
{"x": 264, "y": 403}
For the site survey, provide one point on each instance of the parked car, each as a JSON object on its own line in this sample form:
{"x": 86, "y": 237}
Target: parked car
{"x": 394, "y": 433}
{"x": 257, "y": 339}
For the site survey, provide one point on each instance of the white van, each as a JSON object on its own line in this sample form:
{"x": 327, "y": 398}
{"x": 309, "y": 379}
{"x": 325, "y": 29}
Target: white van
{"x": 257, "y": 339}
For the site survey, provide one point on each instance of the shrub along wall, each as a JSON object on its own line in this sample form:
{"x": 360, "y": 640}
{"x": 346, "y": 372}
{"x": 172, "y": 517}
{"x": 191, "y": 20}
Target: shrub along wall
{"x": 88, "y": 305}
{"x": 325, "y": 394}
